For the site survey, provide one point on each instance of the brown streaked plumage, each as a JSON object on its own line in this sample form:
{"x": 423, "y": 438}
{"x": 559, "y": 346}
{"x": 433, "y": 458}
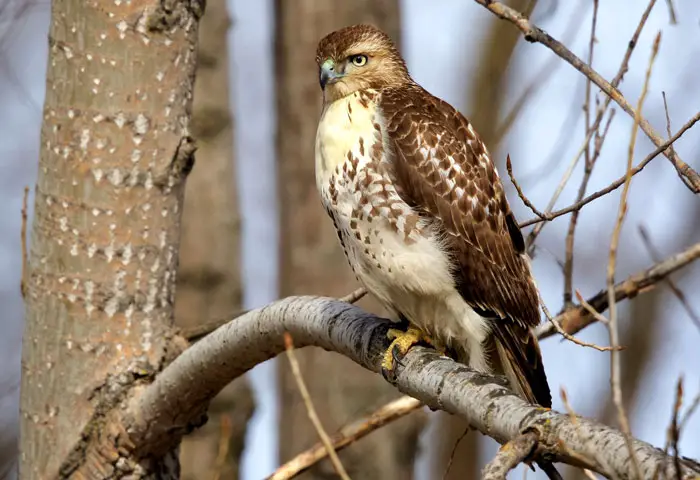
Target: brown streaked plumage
{"x": 421, "y": 212}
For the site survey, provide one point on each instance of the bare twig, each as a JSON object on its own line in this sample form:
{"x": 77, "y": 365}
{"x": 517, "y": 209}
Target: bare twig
{"x": 454, "y": 451}
{"x": 671, "y": 12}
{"x": 689, "y": 412}
{"x": 533, "y": 33}
{"x": 575, "y": 319}
{"x": 653, "y": 252}
{"x": 224, "y": 442}
{"x": 311, "y": 411}
{"x": 617, "y": 183}
{"x": 510, "y": 455}
{"x": 668, "y": 118}
{"x": 673, "y": 433}
{"x": 347, "y": 435}
{"x": 612, "y": 263}
{"x": 569, "y": 337}
{"x": 593, "y": 128}
{"x": 588, "y": 168}
{"x": 353, "y": 297}
{"x": 23, "y": 239}
{"x": 526, "y": 201}
{"x": 598, "y": 316}
{"x": 540, "y": 79}
{"x": 573, "y": 221}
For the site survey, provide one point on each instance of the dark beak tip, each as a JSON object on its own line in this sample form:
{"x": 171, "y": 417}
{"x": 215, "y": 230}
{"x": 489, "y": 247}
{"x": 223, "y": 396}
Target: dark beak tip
{"x": 323, "y": 79}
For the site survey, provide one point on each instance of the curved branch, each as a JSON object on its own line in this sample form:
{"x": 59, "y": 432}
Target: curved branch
{"x": 166, "y": 409}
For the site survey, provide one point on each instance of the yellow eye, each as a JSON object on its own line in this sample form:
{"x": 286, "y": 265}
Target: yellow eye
{"x": 358, "y": 60}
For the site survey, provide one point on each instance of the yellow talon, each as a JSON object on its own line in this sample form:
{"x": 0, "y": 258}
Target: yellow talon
{"x": 400, "y": 345}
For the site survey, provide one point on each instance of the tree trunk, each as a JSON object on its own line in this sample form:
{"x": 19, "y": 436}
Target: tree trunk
{"x": 209, "y": 284}
{"x": 115, "y": 152}
{"x": 311, "y": 258}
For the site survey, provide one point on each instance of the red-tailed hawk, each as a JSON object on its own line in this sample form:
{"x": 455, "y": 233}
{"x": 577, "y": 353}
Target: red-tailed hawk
{"x": 421, "y": 213}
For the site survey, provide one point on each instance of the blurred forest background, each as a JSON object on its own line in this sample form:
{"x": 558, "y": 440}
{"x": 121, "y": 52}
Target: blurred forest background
{"x": 254, "y": 229}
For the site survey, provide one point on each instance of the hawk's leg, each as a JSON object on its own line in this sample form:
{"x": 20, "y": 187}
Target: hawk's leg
{"x": 402, "y": 341}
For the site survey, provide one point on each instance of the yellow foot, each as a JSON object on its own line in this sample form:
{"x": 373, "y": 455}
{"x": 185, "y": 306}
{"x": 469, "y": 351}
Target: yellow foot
{"x": 401, "y": 344}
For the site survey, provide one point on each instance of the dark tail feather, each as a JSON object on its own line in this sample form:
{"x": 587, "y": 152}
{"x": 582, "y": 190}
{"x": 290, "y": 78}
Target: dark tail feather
{"x": 521, "y": 361}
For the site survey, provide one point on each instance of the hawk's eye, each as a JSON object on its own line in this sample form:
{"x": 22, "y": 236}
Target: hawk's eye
{"x": 358, "y": 60}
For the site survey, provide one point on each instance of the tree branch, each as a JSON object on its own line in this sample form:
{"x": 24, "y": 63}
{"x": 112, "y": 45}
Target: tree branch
{"x": 165, "y": 409}
{"x": 535, "y": 34}
{"x": 509, "y": 456}
{"x": 577, "y": 318}
{"x": 347, "y": 435}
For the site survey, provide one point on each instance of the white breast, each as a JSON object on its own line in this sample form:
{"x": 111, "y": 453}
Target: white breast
{"x": 342, "y": 125}
{"x": 413, "y": 273}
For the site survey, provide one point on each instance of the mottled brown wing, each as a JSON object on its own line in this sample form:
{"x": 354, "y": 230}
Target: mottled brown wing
{"x": 443, "y": 170}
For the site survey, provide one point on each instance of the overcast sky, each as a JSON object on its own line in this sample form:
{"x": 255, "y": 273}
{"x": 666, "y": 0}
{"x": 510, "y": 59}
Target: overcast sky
{"x": 441, "y": 41}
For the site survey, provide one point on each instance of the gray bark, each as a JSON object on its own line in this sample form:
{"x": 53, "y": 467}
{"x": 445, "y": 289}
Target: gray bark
{"x": 179, "y": 394}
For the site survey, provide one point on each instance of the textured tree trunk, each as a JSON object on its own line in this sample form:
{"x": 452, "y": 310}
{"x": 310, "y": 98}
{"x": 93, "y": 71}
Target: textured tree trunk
{"x": 209, "y": 285}
{"x": 312, "y": 261}
{"x": 115, "y": 152}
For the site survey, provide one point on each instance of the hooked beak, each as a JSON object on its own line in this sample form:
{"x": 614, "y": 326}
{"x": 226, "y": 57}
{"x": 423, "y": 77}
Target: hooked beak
{"x": 328, "y": 73}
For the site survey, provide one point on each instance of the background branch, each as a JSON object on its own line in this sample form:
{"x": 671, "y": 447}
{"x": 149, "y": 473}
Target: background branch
{"x": 577, "y": 318}
{"x": 535, "y": 34}
{"x": 178, "y": 396}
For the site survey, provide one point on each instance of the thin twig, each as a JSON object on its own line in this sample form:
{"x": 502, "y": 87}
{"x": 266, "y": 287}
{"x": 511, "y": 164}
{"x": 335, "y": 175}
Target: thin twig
{"x": 575, "y": 319}
{"x": 570, "y": 338}
{"x": 668, "y": 118}
{"x": 588, "y": 168}
{"x": 612, "y": 263}
{"x": 594, "y": 128}
{"x": 310, "y": 410}
{"x": 654, "y": 254}
{"x": 533, "y": 33}
{"x": 673, "y": 433}
{"x": 23, "y": 239}
{"x": 689, "y": 412}
{"x": 573, "y": 221}
{"x": 671, "y": 12}
{"x": 353, "y": 297}
{"x": 454, "y": 451}
{"x": 510, "y": 455}
{"x": 224, "y": 442}
{"x": 347, "y": 435}
{"x": 540, "y": 80}
{"x": 549, "y": 216}
{"x": 526, "y": 201}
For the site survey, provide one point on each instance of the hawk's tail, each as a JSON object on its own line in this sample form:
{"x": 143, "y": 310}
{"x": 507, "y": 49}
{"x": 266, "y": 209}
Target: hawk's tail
{"x": 521, "y": 362}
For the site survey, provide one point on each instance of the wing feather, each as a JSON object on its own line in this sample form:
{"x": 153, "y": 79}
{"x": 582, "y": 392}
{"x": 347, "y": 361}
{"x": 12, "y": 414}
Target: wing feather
{"x": 443, "y": 170}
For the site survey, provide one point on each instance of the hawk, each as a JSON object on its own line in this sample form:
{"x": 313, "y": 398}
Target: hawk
{"x": 421, "y": 213}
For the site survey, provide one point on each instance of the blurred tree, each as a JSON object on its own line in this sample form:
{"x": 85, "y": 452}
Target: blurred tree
{"x": 208, "y": 281}
{"x": 115, "y": 153}
{"x": 312, "y": 260}
{"x": 487, "y": 93}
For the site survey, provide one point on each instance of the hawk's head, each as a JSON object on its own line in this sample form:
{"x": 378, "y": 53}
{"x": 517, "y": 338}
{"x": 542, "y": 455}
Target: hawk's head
{"x": 358, "y": 57}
